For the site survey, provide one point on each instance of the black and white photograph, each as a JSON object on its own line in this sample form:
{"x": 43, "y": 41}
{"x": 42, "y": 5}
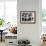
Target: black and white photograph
{"x": 27, "y": 17}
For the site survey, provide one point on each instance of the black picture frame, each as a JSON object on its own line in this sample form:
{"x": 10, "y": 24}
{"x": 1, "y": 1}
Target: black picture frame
{"x": 27, "y": 17}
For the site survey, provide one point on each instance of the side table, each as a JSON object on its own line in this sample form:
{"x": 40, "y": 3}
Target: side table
{"x": 1, "y": 34}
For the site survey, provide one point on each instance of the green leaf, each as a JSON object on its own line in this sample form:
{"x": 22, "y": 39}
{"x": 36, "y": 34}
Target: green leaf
{"x": 1, "y": 21}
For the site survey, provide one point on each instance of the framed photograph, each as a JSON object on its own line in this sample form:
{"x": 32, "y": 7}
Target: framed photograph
{"x": 27, "y": 17}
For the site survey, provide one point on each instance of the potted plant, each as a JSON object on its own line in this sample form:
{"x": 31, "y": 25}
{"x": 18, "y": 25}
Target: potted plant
{"x": 1, "y": 22}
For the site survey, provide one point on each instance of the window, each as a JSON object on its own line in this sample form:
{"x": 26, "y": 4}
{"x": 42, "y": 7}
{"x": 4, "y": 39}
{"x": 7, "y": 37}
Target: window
{"x": 44, "y": 10}
{"x": 1, "y": 9}
{"x": 8, "y": 11}
{"x": 11, "y": 11}
{"x": 43, "y": 16}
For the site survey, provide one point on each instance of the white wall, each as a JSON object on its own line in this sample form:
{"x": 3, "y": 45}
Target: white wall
{"x": 29, "y": 31}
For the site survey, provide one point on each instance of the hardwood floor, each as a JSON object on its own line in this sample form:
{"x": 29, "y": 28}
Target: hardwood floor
{"x": 2, "y": 43}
